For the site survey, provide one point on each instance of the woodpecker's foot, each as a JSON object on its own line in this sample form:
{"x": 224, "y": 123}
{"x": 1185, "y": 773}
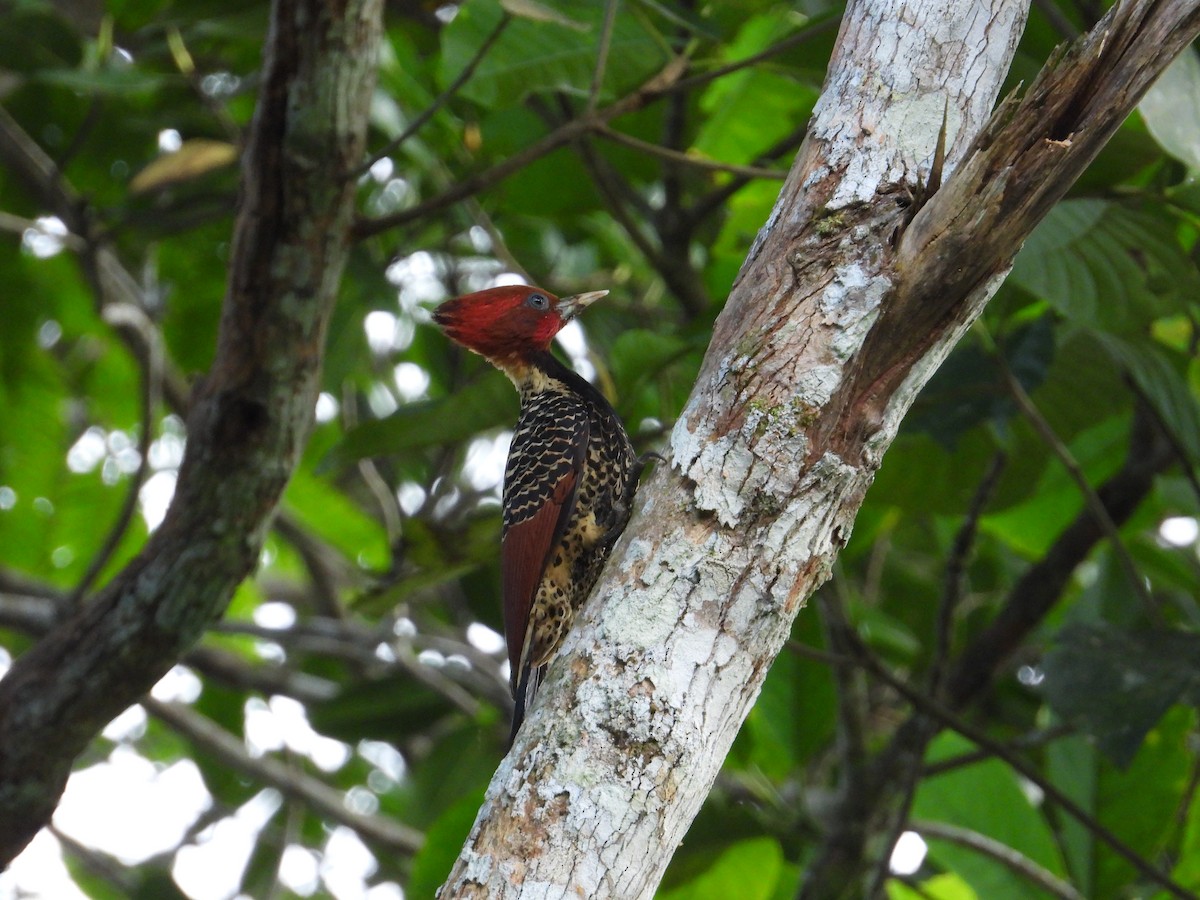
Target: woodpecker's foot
{"x": 644, "y": 460}
{"x": 623, "y": 508}
{"x": 621, "y": 512}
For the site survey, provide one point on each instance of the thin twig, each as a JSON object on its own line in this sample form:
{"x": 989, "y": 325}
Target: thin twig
{"x": 676, "y": 270}
{"x": 851, "y": 696}
{"x": 313, "y": 554}
{"x": 82, "y": 133}
{"x": 288, "y": 780}
{"x": 795, "y": 40}
{"x": 602, "y": 51}
{"x": 358, "y": 645}
{"x": 1094, "y": 504}
{"x": 669, "y": 79}
{"x": 1042, "y": 585}
{"x": 184, "y": 61}
{"x": 687, "y": 159}
{"x": 33, "y": 610}
{"x": 1038, "y": 738}
{"x": 439, "y": 101}
{"x": 560, "y": 137}
{"x": 111, "y": 283}
{"x": 293, "y": 821}
{"x": 499, "y": 248}
{"x": 1057, "y": 20}
{"x": 1001, "y": 853}
{"x": 717, "y": 198}
{"x": 385, "y": 497}
{"x": 125, "y": 315}
{"x": 954, "y": 585}
{"x": 20, "y": 225}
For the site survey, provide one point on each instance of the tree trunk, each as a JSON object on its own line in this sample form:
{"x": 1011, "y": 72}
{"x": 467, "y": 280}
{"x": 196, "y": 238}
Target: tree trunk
{"x": 854, "y": 292}
{"x": 248, "y": 420}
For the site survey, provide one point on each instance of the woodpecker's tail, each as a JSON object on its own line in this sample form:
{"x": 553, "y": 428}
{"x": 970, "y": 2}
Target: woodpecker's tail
{"x": 526, "y": 690}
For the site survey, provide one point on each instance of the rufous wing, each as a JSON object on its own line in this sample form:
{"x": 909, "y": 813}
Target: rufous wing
{"x": 545, "y": 466}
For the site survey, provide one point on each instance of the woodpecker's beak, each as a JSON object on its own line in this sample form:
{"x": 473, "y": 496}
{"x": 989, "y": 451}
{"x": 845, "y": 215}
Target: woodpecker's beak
{"x": 570, "y": 307}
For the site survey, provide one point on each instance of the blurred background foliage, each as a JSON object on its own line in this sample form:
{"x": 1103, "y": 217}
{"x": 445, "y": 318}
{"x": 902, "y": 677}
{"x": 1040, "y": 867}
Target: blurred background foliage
{"x": 354, "y": 695}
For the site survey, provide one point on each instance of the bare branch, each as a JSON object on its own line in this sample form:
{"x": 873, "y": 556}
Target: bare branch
{"x": 288, "y": 780}
{"x": 1002, "y": 853}
{"x": 687, "y": 159}
{"x": 954, "y": 585}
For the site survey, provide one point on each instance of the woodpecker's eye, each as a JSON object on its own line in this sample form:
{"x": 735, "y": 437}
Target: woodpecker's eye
{"x": 540, "y": 302}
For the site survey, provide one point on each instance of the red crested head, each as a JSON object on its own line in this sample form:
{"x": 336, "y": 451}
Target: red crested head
{"x": 509, "y": 324}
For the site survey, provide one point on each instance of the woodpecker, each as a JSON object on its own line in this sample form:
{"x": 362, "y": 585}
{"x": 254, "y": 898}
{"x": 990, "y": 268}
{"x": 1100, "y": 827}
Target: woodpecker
{"x": 570, "y": 477}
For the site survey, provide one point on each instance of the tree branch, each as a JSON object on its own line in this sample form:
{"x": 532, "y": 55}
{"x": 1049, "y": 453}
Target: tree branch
{"x": 828, "y": 334}
{"x": 247, "y": 423}
{"x": 648, "y": 692}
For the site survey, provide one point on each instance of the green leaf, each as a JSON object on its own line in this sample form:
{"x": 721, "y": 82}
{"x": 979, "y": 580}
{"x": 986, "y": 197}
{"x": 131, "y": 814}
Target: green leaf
{"x": 328, "y": 512}
{"x": 33, "y": 39}
{"x": 113, "y": 81}
{"x": 968, "y": 388}
{"x": 1118, "y": 684}
{"x": 1171, "y": 109}
{"x": 639, "y": 355}
{"x": 779, "y": 102}
{"x": 745, "y": 213}
{"x": 540, "y": 12}
{"x": 794, "y": 713}
{"x": 1162, "y": 375}
{"x": 748, "y": 870}
{"x": 1054, "y": 500}
{"x": 1108, "y": 265}
{"x": 1081, "y": 387}
{"x": 1187, "y": 870}
{"x": 939, "y": 887}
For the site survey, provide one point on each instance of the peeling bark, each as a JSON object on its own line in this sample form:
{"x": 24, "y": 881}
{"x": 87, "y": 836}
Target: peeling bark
{"x": 845, "y": 306}
{"x": 248, "y": 420}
